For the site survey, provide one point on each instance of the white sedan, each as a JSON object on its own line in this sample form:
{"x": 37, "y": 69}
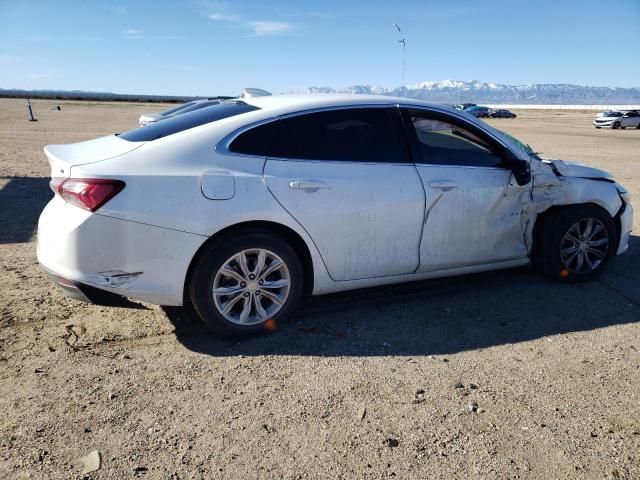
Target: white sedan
{"x": 615, "y": 120}
{"x": 243, "y": 207}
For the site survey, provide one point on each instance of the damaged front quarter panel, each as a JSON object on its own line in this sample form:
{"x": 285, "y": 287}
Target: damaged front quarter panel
{"x": 557, "y": 183}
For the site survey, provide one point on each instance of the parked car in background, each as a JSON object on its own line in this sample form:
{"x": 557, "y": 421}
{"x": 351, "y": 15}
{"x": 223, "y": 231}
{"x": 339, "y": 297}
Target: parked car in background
{"x": 502, "y": 113}
{"x": 478, "y": 111}
{"x": 149, "y": 118}
{"x": 242, "y": 207}
{"x": 462, "y": 106}
{"x": 615, "y": 119}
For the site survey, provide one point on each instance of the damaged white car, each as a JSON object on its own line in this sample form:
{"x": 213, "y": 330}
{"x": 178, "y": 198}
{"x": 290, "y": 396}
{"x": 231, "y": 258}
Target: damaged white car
{"x": 243, "y": 207}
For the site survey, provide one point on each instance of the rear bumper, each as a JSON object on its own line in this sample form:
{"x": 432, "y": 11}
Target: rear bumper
{"x": 91, "y": 256}
{"x": 87, "y": 293}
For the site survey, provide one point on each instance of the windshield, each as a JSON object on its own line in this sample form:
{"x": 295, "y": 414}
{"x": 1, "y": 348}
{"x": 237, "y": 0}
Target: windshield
{"x": 612, "y": 114}
{"x": 521, "y": 146}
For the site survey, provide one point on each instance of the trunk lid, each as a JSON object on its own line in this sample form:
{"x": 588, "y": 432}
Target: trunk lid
{"x": 63, "y": 157}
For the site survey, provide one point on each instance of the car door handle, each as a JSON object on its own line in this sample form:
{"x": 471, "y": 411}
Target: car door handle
{"x": 444, "y": 185}
{"x": 307, "y": 185}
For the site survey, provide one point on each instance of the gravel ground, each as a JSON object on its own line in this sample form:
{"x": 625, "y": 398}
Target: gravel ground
{"x": 499, "y": 375}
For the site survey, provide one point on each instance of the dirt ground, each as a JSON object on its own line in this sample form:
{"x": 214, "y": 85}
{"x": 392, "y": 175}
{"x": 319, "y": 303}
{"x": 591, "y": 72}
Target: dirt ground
{"x": 496, "y": 376}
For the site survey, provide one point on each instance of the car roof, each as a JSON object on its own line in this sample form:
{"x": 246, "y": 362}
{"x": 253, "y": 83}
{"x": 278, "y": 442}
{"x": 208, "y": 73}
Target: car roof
{"x": 292, "y": 103}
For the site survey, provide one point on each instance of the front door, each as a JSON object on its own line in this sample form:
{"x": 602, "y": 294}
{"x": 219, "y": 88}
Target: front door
{"x": 475, "y": 211}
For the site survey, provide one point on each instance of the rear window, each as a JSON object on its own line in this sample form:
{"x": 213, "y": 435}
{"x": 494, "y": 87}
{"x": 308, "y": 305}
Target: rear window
{"x": 195, "y": 106}
{"x": 179, "y": 123}
{"x": 175, "y": 109}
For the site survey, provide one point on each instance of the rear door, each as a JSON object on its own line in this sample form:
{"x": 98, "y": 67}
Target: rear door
{"x": 345, "y": 176}
{"x": 474, "y": 208}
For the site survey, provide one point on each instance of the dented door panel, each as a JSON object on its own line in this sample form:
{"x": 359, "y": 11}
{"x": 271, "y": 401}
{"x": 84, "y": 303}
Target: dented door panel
{"x": 479, "y": 217}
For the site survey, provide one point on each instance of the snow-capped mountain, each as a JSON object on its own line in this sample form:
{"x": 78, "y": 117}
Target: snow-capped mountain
{"x": 457, "y": 91}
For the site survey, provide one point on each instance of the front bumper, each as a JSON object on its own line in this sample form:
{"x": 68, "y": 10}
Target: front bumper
{"x": 86, "y": 252}
{"x": 605, "y": 124}
{"x": 626, "y": 224}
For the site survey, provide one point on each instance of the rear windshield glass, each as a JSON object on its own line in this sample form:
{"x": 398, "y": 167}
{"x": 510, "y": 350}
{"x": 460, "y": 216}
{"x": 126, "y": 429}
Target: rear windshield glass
{"x": 195, "y": 106}
{"x": 175, "y": 109}
{"x": 186, "y": 121}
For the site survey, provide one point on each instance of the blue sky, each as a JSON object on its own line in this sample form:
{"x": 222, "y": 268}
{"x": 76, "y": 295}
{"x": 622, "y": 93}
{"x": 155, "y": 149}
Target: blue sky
{"x": 199, "y": 47}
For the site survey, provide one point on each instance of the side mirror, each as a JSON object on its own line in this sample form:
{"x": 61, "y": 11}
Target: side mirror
{"x": 521, "y": 171}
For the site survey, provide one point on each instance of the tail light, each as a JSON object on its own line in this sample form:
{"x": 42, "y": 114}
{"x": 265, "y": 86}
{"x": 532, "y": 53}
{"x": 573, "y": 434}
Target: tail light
{"x": 87, "y": 193}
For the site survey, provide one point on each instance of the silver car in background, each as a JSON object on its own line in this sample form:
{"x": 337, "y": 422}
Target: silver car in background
{"x": 615, "y": 119}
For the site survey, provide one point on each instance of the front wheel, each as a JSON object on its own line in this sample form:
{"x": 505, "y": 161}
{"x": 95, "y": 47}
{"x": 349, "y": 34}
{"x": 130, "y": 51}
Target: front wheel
{"x": 576, "y": 243}
{"x": 246, "y": 284}
{"x": 616, "y": 125}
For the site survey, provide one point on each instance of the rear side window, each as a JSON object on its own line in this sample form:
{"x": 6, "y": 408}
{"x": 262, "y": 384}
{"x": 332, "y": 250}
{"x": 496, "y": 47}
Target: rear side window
{"x": 349, "y": 135}
{"x": 256, "y": 141}
{"x": 186, "y": 121}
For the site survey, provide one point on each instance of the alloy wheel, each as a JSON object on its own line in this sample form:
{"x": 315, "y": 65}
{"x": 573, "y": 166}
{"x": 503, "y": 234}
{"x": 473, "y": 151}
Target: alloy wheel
{"x": 584, "y": 246}
{"x": 251, "y": 287}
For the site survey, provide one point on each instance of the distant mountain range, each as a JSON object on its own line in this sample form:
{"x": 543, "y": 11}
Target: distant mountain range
{"x": 458, "y": 91}
{"x": 99, "y": 96}
{"x": 446, "y": 91}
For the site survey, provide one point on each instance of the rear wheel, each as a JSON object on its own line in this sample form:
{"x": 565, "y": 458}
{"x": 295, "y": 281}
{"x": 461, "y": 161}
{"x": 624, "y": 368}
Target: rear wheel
{"x": 247, "y": 284}
{"x": 576, "y": 243}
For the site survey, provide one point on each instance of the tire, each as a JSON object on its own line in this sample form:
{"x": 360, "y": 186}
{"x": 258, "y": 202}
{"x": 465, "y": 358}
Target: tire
{"x": 555, "y": 249}
{"x": 616, "y": 125}
{"x": 227, "y": 252}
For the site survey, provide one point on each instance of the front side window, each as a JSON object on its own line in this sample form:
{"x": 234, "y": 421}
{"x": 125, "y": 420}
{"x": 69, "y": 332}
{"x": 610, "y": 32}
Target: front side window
{"x": 441, "y": 142}
{"x": 349, "y": 135}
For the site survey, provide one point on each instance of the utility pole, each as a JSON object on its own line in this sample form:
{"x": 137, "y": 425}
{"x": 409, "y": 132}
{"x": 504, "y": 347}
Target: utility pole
{"x": 404, "y": 48}
{"x": 31, "y": 119}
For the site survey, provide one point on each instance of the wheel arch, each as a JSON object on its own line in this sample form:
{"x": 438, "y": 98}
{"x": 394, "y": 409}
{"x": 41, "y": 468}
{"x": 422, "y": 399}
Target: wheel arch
{"x": 553, "y": 212}
{"x": 286, "y": 233}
